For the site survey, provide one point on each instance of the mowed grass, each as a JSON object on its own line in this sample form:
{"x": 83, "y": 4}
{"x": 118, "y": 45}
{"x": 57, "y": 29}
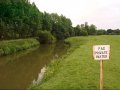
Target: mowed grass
{"x": 79, "y": 71}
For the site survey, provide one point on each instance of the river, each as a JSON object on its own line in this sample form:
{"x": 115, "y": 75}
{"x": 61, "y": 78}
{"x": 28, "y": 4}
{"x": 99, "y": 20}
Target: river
{"x": 18, "y": 71}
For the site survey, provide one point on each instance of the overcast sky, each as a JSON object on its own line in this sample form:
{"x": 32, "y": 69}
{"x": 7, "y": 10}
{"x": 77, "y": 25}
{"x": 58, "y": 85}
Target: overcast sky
{"x": 104, "y": 14}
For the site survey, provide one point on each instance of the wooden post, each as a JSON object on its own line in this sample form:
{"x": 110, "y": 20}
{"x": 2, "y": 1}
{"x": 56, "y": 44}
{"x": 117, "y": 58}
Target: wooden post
{"x": 101, "y": 74}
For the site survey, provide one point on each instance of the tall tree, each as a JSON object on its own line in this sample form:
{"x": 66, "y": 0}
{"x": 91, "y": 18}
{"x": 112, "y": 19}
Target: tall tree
{"x": 92, "y": 30}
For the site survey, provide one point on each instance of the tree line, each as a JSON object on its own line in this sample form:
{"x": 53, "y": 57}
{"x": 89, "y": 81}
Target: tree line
{"x": 108, "y": 32}
{"x": 21, "y": 19}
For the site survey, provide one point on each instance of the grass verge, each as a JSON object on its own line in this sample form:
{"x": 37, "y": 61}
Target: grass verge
{"x": 77, "y": 70}
{"x": 13, "y": 46}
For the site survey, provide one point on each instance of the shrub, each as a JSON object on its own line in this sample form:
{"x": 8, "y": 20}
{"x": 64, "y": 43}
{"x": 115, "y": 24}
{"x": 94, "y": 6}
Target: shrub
{"x": 45, "y": 37}
{"x": 6, "y": 50}
{"x": 83, "y": 33}
{"x": 101, "y": 32}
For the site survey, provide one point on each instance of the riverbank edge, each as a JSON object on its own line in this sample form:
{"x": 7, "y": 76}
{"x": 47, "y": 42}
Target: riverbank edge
{"x": 8, "y": 47}
{"x": 54, "y": 65}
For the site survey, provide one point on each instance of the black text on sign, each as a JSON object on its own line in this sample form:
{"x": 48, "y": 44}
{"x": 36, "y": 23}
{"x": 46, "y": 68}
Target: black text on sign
{"x": 101, "y": 52}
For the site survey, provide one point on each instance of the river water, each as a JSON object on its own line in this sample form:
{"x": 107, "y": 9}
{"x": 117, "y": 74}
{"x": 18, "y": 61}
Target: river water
{"x": 19, "y": 70}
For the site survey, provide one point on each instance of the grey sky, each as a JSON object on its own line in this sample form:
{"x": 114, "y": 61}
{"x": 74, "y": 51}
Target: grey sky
{"x": 104, "y": 14}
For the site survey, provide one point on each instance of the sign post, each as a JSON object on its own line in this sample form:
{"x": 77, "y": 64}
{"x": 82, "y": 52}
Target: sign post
{"x": 101, "y": 74}
{"x": 101, "y": 52}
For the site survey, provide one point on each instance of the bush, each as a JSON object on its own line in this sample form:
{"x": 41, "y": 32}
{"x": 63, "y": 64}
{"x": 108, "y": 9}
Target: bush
{"x": 45, "y": 37}
{"x": 6, "y": 50}
{"x": 83, "y": 33}
{"x": 101, "y": 32}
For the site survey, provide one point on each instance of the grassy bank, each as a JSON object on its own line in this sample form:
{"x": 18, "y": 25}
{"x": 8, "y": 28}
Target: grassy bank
{"x": 77, "y": 70}
{"x": 13, "y": 46}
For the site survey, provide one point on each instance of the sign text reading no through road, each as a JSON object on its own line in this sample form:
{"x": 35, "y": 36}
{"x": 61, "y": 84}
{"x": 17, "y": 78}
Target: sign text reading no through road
{"x": 101, "y": 52}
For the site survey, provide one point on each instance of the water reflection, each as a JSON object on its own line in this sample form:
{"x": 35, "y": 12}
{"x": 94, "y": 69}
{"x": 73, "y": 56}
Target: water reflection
{"x": 18, "y": 71}
{"x": 40, "y": 76}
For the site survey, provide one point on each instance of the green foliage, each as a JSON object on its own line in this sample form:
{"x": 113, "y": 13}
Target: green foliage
{"x": 113, "y": 32}
{"x": 46, "y": 37}
{"x": 80, "y": 30}
{"x": 61, "y": 26}
{"x": 83, "y": 33}
{"x": 101, "y": 32}
{"x": 18, "y": 17}
{"x": 109, "y": 31}
{"x": 21, "y": 19}
{"x": 92, "y": 30}
{"x": 85, "y": 29}
{"x": 12, "y": 46}
{"x": 77, "y": 30}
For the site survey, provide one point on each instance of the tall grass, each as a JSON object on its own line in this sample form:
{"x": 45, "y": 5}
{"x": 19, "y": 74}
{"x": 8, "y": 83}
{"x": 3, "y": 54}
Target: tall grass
{"x": 13, "y": 46}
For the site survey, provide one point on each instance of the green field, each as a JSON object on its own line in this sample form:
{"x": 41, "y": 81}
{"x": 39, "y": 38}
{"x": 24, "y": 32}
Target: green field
{"x": 78, "y": 70}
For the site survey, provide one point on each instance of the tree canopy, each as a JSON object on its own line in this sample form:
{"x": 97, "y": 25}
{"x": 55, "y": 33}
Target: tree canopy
{"x": 21, "y": 19}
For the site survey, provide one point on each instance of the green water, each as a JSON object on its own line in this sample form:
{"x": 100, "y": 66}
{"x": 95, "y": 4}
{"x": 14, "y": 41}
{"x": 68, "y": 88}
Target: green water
{"x": 19, "y": 70}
